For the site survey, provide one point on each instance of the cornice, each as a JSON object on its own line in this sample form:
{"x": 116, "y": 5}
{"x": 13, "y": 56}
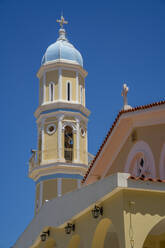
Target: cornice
{"x": 61, "y": 105}
{"x": 64, "y": 64}
{"x": 57, "y": 167}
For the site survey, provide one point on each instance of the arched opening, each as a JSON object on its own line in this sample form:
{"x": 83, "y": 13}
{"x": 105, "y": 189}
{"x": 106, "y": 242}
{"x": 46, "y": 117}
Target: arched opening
{"x": 140, "y": 161}
{"x": 105, "y": 235}
{"x": 68, "y": 144}
{"x": 156, "y": 237}
{"x": 74, "y": 242}
{"x": 51, "y": 92}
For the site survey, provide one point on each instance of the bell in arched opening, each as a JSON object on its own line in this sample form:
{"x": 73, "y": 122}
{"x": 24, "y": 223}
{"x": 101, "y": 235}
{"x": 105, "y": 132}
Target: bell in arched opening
{"x": 68, "y": 144}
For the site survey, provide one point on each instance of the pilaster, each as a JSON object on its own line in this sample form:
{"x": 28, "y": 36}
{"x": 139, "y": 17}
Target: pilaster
{"x": 78, "y": 139}
{"x": 77, "y": 87}
{"x": 42, "y": 139}
{"x": 60, "y": 118}
{"x": 44, "y": 88}
{"x": 60, "y": 84}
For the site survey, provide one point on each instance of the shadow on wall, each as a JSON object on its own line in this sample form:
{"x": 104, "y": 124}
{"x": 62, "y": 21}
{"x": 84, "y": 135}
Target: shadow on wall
{"x": 156, "y": 237}
{"x": 74, "y": 242}
{"x": 105, "y": 235}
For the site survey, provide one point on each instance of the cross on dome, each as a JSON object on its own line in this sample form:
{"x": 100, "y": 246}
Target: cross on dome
{"x": 62, "y": 21}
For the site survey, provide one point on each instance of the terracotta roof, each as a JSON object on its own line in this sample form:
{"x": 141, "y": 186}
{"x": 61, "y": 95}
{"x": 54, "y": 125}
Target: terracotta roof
{"x": 114, "y": 124}
{"x": 147, "y": 179}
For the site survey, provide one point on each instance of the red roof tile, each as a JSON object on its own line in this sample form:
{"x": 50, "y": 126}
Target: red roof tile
{"x": 114, "y": 124}
{"x": 147, "y": 179}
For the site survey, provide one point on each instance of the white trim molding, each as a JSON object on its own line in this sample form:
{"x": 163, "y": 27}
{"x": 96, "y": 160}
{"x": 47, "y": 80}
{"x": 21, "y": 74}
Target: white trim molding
{"x": 60, "y": 84}
{"x": 70, "y": 124}
{"x": 42, "y": 138}
{"x": 162, "y": 163}
{"x": 44, "y": 88}
{"x": 60, "y": 117}
{"x": 84, "y": 96}
{"x": 78, "y": 138}
{"x": 144, "y": 149}
{"x": 77, "y": 87}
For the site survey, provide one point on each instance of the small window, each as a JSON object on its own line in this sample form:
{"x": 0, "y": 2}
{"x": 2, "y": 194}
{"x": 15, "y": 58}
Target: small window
{"x": 140, "y": 167}
{"x": 68, "y": 91}
{"x": 51, "y": 92}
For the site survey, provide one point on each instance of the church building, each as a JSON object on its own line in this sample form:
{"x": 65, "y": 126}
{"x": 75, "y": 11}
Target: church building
{"x": 115, "y": 199}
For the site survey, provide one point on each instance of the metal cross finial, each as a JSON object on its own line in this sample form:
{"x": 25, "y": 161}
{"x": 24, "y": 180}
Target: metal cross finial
{"x": 62, "y": 21}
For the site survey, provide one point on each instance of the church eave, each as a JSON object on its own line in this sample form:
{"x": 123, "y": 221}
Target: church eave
{"x": 63, "y": 64}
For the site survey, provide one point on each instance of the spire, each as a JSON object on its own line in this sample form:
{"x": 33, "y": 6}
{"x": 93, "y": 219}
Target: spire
{"x": 62, "y": 30}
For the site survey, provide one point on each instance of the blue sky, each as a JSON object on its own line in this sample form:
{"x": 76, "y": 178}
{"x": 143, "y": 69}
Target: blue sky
{"x": 120, "y": 41}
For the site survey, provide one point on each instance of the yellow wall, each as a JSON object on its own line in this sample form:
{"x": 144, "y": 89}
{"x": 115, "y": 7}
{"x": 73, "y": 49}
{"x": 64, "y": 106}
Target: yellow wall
{"x": 82, "y": 83}
{"x": 71, "y": 77}
{"x": 40, "y": 90}
{"x": 152, "y": 135}
{"x": 83, "y": 152}
{"x": 50, "y": 141}
{"x": 49, "y": 189}
{"x": 52, "y": 76}
{"x": 68, "y": 185}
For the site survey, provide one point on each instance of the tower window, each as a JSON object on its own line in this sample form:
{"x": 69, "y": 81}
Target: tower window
{"x": 51, "y": 92}
{"x": 68, "y": 91}
{"x": 68, "y": 144}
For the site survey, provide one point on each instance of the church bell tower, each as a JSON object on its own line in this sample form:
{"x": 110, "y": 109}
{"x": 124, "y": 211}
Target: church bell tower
{"x": 58, "y": 164}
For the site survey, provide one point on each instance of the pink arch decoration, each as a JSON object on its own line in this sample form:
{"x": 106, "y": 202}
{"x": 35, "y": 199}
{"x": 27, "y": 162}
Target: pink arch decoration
{"x": 143, "y": 148}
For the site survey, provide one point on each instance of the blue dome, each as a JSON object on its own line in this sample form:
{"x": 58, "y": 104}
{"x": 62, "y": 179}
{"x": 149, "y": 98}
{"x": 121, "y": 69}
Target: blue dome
{"x": 62, "y": 49}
